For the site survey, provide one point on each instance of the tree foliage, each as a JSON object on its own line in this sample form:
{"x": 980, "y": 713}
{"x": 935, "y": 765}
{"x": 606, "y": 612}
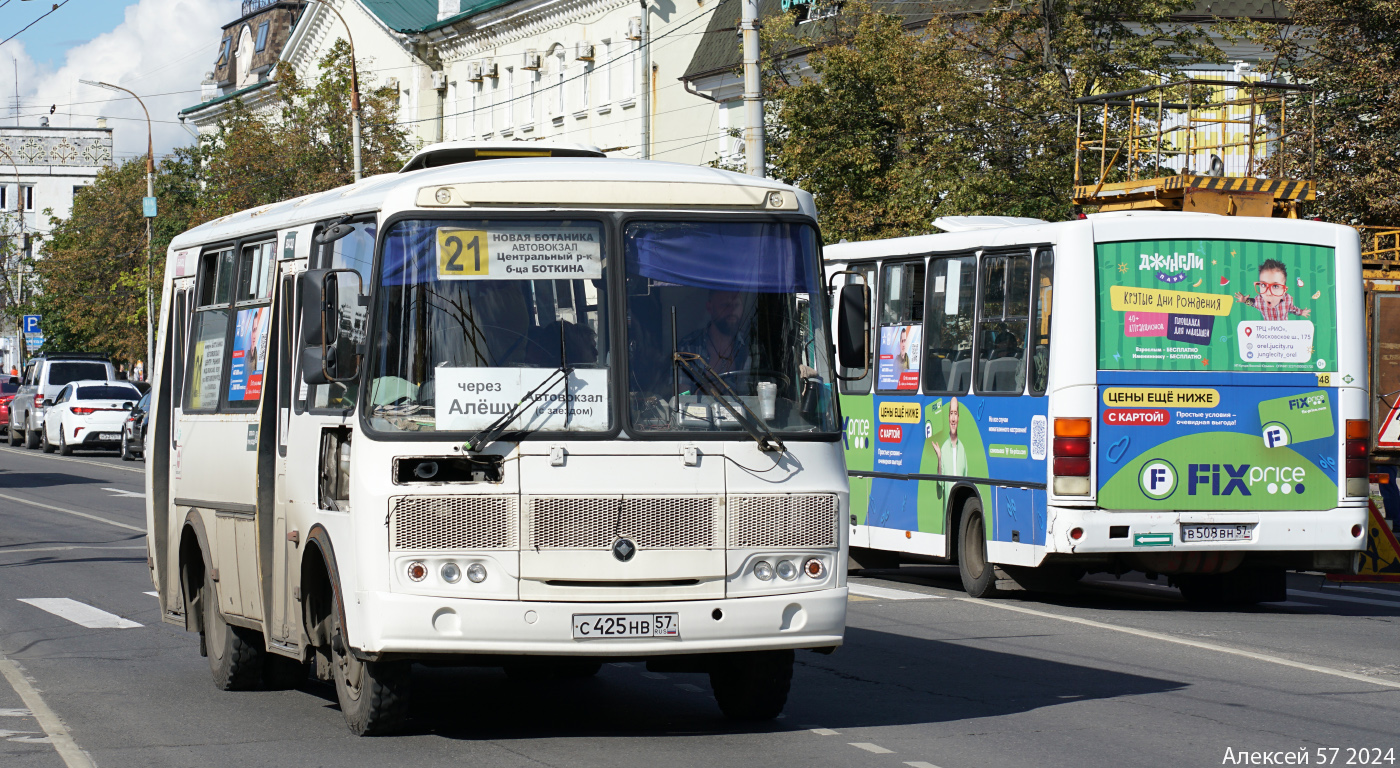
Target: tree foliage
{"x": 966, "y": 114}
{"x": 90, "y": 284}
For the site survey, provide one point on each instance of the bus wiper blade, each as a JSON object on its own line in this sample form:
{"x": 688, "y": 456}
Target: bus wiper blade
{"x": 495, "y": 429}
{"x": 715, "y": 387}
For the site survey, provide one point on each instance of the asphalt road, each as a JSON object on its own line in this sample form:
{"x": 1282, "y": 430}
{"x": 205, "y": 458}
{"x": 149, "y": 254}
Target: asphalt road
{"x": 1114, "y": 674}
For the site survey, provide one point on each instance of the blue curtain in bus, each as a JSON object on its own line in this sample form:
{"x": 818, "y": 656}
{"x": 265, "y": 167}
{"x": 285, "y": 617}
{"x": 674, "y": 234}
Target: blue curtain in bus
{"x": 410, "y": 254}
{"x": 724, "y": 256}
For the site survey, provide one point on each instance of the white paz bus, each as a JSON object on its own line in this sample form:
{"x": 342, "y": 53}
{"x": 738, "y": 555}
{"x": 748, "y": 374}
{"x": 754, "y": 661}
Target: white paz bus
{"x": 1166, "y": 392}
{"x": 534, "y": 409}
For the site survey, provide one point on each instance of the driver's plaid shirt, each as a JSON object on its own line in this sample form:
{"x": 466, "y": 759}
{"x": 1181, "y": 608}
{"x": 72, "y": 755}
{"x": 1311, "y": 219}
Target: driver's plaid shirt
{"x": 1280, "y": 312}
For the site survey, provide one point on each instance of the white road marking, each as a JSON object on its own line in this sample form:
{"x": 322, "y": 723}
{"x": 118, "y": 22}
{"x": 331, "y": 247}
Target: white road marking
{"x": 868, "y": 747}
{"x": 72, "y": 512}
{"x": 79, "y": 461}
{"x": 920, "y": 764}
{"x": 64, "y": 549}
{"x": 1184, "y": 641}
{"x": 654, "y": 675}
{"x": 1342, "y": 598}
{"x": 152, "y": 594}
{"x": 7, "y": 734}
{"x": 825, "y": 732}
{"x": 80, "y": 613}
{"x": 15, "y": 713}
{"x": 32, "y": 739}
{"x": 689, "y": 687}
{"x": 885, "y": 593}
{"x": 63, "y": 743}
{"x": 126, "y": 494}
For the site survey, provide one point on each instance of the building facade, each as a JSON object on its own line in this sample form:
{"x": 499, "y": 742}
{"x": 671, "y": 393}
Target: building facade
{"x": 518, "y": 70}
{"x": 42, "y": 168}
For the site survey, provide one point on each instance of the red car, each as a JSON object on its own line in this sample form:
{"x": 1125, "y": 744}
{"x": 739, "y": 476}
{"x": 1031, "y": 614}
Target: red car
{"x": 7, "y": 393}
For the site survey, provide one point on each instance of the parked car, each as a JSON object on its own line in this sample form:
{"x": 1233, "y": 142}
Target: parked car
{"x": 134, "y": 430}
{"x": 8, "y": 389}
{"x": 43, "y": 378}
{"x": 88, "y": 414}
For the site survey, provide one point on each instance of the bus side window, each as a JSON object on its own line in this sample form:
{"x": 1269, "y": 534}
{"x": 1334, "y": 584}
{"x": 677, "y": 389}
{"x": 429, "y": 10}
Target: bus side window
{"x": 1005, "y": 317}
{"x": 901, "y": 326}
{"x": 1040, "y": 326}
{"x": 354, "y": 251}
{"x": 178, "y": 348}
{"x": 861, "y": 386}
{"x": 948, "y": 329}
{"x": 251, "y": 324}
{"x": 210, "y": 331}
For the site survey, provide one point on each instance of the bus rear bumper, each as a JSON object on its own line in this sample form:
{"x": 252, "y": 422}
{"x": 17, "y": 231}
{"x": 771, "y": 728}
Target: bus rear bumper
{"x": 415, "y": 624}
{"x": 1107, "y": 531}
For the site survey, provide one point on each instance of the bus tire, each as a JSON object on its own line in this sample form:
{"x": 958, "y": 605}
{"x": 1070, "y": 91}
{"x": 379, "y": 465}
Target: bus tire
{"x": 235, "y": 653}
{"x": 373, "y": 695}
{"x": 752, "y": 685}
{"x": 979, "y": 577}
{"x": 865, "y": 559}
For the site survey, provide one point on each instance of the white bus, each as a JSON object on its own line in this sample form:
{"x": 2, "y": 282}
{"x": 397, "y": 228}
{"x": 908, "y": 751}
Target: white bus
{"x": 531, "y": 408}
{"x": 1195, "y": 405}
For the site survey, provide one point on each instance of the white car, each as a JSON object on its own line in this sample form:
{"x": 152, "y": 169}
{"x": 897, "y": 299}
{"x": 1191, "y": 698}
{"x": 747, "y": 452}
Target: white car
{"x": 87, "y": 414}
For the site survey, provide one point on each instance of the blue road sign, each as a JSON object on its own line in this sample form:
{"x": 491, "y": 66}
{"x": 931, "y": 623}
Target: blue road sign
{"x": 148, "y": 207}
{"x": 31, "y": 323}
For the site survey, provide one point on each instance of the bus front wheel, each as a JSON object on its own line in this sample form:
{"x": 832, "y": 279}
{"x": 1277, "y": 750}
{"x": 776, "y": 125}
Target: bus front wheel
{"x": 752, "y": 685}
{"x": 979, "y": 577}
{"x": 373, "y": 695}
{"x": 235, "y": 653}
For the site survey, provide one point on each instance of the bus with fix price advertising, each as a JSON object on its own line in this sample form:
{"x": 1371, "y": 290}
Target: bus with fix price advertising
{"x": 1174, "y": 393}
{"x": 520, "y": 406}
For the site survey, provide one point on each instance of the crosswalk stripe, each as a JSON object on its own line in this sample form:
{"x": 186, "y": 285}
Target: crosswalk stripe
{"x": 79, "y": 613}
{"x": 885, "y": 593}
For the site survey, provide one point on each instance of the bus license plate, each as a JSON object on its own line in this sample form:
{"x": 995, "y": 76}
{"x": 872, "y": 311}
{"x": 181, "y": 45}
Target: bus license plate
{"x": 588, "y": 626}
{"x": 1234, "y": 532}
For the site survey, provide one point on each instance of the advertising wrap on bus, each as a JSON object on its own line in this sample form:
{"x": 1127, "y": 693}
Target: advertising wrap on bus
{"x": 1214, "y": 359}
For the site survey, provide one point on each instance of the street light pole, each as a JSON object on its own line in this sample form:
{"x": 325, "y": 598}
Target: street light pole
{"x": 18, "y": 285}
{"x": 354, "y": 87}
{"x": 150, "y": 217}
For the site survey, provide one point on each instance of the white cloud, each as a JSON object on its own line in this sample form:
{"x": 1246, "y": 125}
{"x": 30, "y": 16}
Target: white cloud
{"x": 162, "y": 46}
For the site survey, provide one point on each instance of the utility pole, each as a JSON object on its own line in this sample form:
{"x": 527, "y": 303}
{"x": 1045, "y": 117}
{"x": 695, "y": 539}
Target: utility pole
{"x": 354, "y": 88}
{"x": 645, "y": 80}
{"x": 18, "y": 286}
{"x": 149, "y": 209}
{"x": 754, "y": 161}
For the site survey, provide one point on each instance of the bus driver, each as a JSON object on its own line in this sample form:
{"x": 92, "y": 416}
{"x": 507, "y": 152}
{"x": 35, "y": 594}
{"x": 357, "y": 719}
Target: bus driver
{"x": 720, "y": 342}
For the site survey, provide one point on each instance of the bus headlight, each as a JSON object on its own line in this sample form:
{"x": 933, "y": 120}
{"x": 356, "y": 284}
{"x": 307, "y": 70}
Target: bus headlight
{"x": 763, "y": 570}
{"x": 786, "y": 570}
{"x": 476, "y": 573}
{"x": 451, "y": 573}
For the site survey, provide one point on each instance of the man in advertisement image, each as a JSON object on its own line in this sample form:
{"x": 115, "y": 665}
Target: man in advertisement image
{"x": 952, "y": 456}
{"x": 1272, "y": 298}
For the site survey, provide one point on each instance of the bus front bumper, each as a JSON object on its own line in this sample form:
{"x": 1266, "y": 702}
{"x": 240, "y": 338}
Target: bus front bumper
{"x": 415, "y": 624}
{"x": 1106, "y": 531}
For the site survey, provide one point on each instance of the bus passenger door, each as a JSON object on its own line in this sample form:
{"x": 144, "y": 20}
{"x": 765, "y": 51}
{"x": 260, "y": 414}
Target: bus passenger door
{"x": 283, "y": 558}
{"x": 163, "y": 442}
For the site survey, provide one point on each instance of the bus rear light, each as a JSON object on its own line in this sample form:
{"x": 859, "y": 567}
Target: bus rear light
{"x": 1071, "y": 446}
{"x": 1356, "y": 531}
{"x": 1069, "y": 466}
{"x": 1076, "y": 534}
{"x": 1071, "y": 450}
{"x": 1358, "y": 445}
{"x": 1072, "y": 428}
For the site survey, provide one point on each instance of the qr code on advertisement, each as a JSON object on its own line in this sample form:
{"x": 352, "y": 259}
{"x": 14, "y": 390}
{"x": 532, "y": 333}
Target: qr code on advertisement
{"x": 1039, "y": 434}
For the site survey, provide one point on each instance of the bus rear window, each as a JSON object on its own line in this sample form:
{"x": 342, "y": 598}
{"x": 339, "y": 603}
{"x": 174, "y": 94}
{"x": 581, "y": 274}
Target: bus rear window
{"x": 1216, "y": 305}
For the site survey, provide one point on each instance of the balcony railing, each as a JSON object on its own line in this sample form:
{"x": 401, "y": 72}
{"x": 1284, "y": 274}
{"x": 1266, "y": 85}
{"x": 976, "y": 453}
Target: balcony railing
{"x": 251, "y": 6}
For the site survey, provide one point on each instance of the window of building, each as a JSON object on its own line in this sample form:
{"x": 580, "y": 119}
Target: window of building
{"x": 947, "y": 365}
{"x": 604, "y": 74}
{"x": 223, "y": 52}
{"x": 530, "y": 105}
{"x": 26, "y": 193}
{"x": 262, "y": 36}
{"x": 560, "y": 75}
{"x": 1005, "y": 317}
{"x": 629, "y": 69}
{"x": 452, "y": 110}
{"x": 4, "y": 197}
{"x": 508, "y": 116}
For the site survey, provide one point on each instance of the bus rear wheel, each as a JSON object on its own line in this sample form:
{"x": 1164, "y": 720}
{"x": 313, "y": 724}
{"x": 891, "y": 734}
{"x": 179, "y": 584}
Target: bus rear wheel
{"x": 235, "y": 653}
{"x": 979, "y": 577}
{"x": 373, "y": 695}
{"x": 752, "y": 685}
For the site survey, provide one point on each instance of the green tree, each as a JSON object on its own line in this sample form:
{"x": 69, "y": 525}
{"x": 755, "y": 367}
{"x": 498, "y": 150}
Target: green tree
{"x": 967, "y": 114}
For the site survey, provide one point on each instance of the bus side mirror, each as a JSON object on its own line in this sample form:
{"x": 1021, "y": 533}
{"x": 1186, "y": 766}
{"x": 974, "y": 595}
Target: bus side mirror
{"x": 853, "y": 326}
{"x": 333, "y": 320}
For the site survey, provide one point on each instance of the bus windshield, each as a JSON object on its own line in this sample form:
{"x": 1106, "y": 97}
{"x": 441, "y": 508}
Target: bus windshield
{"x": 476, "y": 315}
{"x": 724, "y": 320}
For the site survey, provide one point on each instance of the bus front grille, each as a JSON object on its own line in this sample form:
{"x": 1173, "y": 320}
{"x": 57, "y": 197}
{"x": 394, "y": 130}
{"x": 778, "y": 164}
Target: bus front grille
{"x": 453, "y": 522}
{"x": 595, "y": 522}
{"x": 782, "y": 520}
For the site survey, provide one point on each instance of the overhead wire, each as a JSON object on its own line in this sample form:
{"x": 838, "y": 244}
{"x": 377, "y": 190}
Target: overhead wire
{"x": 36, "y": 21}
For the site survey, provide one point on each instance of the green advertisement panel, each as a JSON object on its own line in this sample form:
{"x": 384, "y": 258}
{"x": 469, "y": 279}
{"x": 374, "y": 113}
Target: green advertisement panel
{"x": 1216, "y": 305}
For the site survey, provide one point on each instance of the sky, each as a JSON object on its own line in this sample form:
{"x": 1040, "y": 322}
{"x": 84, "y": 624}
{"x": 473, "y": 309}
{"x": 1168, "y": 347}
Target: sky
{"x": 158, "y": 48}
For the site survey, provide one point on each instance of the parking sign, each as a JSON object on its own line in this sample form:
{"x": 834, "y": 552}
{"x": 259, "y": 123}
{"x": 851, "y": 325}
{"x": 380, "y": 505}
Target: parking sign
{"x": 31, "y": 323}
